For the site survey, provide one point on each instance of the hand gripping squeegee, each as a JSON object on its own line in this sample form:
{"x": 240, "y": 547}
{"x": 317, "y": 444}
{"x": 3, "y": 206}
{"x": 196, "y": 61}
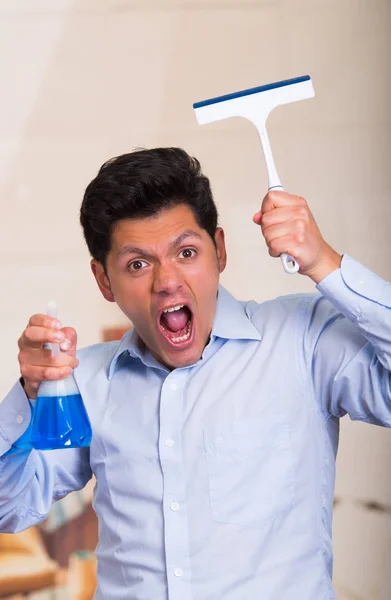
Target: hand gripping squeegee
{"x": 255, "y": 105}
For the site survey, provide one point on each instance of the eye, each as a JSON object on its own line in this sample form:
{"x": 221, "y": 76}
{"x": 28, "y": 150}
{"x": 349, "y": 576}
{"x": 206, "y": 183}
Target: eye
{"x": 188, "y": 253}
{"x": 136, "y": 265}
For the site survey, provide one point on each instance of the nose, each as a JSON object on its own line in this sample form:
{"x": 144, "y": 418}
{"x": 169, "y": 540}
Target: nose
{"x": 167, "y": 279}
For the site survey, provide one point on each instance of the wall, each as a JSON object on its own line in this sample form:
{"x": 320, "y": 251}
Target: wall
{"x": 84, "y": 80}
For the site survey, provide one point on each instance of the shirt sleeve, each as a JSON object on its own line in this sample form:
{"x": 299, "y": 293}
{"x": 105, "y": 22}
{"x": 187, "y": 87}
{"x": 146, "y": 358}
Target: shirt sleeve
{"x": 349, "y": 344}
{"x": 31, "y": 480}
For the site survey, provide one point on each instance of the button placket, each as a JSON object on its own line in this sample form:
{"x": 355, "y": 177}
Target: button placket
{"x": 174, "y": 499}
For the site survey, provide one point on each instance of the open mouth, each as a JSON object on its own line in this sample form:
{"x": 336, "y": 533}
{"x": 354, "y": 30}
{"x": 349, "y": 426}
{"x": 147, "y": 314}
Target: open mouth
{"x": 176, "y": 325}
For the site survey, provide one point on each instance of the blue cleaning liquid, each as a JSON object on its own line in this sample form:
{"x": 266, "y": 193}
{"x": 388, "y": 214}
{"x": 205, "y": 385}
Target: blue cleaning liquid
{"x": 24, "y": 441}
{"x": 60, "y": 422}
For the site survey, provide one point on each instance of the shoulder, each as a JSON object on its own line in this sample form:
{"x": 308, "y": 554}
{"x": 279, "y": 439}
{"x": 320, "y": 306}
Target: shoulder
{"x": 286, "y": 305}
{"x": 302, "y": 309}
{"x": 97, "y": 356}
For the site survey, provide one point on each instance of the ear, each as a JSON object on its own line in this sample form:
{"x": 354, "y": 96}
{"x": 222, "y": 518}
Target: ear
{"x": 102, "y": 280}
{"x": 220, "y": 249}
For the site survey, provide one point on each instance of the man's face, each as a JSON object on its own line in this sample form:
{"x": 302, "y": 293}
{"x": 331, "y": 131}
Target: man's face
{"x": 163, "y": 272}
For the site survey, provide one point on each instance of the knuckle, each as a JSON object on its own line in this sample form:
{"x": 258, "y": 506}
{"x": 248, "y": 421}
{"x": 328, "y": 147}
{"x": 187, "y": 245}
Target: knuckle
{"x": 301, "y": 226}
{"x": 265, "y": 222}
{"x": 24, "y": 370}
{"x": 27, "y": 333}
{"x": 302, "y": 212}
{"x": 47, "y": 373}
{"x": 21, "y": 357}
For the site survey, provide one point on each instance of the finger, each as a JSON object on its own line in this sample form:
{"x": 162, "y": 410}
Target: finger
{"x": 284, "y": 213}
{"x": 257, "y": 217}
{"x": 294, "y": 228}
{"x": 70, "y": 341}
{"x": 44, "y": 358}
{"x": 31, "y": 389}
{"x": 288, "y": 243}
{"x": 275, "y": 199}
{"x": 34, "y": 374}
{"x": 35, "y": 336}
{"x": 44, "y": 321}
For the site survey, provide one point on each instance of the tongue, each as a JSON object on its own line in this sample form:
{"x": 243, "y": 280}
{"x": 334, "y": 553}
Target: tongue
{"x": 175, "y": 321}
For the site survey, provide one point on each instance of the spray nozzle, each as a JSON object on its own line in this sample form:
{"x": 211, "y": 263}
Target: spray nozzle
{"x": 52, "y": 311}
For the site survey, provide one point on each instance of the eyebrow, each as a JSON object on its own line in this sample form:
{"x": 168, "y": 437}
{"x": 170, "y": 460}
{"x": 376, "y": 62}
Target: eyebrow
{"x": 174, "y": 244}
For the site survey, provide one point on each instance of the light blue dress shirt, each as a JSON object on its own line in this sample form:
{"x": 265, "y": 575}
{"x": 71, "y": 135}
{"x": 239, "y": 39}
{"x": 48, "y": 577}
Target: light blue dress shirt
{"x": 216, "y": 481}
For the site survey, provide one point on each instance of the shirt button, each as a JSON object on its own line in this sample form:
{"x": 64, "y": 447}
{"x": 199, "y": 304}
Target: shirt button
{"x": 169, "y": 443}
{"x": 178, "y": 572}
{"x": 173, "y": 387}
{"x": 174, "y": 506}
{"x": 19, "y": 419}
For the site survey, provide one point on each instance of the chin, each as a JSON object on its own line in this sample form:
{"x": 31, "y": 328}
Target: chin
{"x": 186, "y": 360}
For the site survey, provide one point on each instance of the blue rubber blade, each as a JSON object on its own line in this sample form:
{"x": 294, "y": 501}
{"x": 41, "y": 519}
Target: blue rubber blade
{"x": 256, "y": 90}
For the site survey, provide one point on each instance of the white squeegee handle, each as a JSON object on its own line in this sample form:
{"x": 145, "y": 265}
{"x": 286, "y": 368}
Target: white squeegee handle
{"x": 289, "y": 263}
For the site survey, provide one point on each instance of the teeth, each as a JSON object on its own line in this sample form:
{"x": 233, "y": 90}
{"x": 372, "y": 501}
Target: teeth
{"x": 182, "y": 338}
{"x": 174, "y": 308}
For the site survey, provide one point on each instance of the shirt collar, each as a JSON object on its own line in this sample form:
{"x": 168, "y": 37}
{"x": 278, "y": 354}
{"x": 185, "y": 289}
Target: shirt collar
{"x": 130, "y": 343}
{"x": 231, "y": 322}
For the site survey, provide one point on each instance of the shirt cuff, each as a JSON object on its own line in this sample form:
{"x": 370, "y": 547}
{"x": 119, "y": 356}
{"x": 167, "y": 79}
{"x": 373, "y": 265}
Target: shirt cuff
{"x": 351, "y": 287}
{"x": 15, "y": 416}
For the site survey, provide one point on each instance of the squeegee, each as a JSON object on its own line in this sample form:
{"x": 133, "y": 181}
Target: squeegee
{"x": 255, "y": 104}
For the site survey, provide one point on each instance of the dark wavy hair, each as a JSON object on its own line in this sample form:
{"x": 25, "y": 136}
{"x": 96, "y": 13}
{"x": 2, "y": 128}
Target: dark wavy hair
{"x": 140, "y": 184}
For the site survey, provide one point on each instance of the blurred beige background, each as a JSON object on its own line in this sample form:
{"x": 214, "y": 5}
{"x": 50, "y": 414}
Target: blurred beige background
{"x": 84, "y": 80}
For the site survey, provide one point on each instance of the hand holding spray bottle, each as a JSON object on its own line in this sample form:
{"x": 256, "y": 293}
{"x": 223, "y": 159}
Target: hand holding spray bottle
{"x": 59, "y": 418}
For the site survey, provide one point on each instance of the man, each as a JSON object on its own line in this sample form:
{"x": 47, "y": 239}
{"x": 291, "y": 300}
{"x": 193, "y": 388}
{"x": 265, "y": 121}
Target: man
{"x": 215, "y": 422}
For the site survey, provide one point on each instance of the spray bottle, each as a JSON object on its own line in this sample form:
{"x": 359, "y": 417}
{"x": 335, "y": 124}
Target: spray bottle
{"x": 59, "y": 418}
